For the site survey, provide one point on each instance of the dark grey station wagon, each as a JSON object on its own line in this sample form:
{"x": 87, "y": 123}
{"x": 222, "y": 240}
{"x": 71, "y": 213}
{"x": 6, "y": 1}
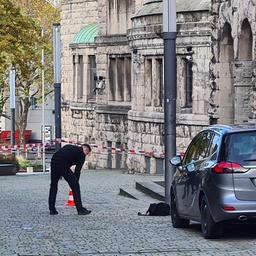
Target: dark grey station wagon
{"x": 215, "y": 182}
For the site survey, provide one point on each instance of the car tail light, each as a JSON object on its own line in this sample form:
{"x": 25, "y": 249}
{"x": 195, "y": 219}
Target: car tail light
{"x": 228, "y": 167}
{"x": 228, "y": 208}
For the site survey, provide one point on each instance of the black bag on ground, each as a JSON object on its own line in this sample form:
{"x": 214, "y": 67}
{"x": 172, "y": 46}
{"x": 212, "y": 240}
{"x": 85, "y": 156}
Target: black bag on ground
{"x": 157, "y": 209}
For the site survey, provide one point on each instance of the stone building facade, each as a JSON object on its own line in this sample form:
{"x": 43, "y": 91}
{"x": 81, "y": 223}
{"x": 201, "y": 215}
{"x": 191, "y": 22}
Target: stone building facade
{"x": 233, "y": 61}
{"x": 112, "y": 74}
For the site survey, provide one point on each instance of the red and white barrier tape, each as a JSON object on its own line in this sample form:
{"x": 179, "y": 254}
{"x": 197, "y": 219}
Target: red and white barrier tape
{"x": 123, "y": 150}
{"x": 38, "y": 147}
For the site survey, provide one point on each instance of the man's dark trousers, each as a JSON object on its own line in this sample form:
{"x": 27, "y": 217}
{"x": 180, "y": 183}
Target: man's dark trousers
{"x": 59, "y": 169}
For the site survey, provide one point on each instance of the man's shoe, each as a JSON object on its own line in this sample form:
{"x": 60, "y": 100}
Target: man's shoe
{"x": 53, "y": 212}
{"x": 83, "y": 211}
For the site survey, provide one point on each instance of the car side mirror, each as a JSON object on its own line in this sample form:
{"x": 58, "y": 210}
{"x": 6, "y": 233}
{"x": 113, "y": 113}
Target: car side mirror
{"x": 191, "y": 167}
{"x": 176, "y": 160}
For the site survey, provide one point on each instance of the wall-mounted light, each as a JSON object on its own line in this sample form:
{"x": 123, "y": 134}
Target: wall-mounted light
{"x": 100, "y": 84}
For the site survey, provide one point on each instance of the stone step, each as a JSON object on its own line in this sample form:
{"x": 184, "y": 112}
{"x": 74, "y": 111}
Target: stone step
{"x": 134, "y": 193}
{"x": 152, "y": 189}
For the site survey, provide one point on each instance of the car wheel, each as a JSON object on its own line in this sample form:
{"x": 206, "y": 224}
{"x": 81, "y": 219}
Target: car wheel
{"x": 177, "y": 222}
{"x": 210, "y": 229}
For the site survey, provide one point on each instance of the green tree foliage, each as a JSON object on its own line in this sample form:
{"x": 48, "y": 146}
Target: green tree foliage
{"x": 21, "y": 44}
{"x": 44, "y": 15}
{"x": 16, "y": 33}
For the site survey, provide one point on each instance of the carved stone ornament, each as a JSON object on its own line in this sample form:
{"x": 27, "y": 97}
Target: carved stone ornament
{"x": 138, "y": 60}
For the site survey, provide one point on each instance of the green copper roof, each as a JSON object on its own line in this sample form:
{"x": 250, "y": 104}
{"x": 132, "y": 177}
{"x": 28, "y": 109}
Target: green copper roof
{"x": 87, "y": 34}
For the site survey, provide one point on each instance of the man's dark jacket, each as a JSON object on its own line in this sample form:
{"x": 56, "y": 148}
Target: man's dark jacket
{"x": 70, "y": 155}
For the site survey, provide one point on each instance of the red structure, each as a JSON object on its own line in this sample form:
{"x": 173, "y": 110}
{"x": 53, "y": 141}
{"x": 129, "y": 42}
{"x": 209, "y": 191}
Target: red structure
{"x": 5, "y": 136}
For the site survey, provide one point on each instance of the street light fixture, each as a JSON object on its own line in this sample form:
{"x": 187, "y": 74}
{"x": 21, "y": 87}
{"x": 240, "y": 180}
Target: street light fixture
{"x": 170, "y": 89}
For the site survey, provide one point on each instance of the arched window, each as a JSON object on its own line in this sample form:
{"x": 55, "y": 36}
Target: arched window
{"x": 245, "y": 42}
{"x": 226, "y": 44}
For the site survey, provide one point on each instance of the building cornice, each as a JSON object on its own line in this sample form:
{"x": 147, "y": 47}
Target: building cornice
{"x": 112, "y": 109}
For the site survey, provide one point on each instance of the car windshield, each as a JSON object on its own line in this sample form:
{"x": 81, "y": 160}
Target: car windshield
{"x": 241, "y": 148}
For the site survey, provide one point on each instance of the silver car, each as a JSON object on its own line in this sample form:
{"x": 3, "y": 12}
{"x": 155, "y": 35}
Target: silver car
{"x": 215, "y": 182}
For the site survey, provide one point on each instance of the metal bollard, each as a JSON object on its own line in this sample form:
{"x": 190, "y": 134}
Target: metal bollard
{"x": 26, "y": 152}
{"x": 38, "y": 151}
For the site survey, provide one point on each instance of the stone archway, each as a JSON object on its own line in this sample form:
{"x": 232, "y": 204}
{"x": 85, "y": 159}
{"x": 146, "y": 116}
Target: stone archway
{"x": 242, "y": 71}
{"x": 226, "y": 90}
{"x": 245, "y": 42}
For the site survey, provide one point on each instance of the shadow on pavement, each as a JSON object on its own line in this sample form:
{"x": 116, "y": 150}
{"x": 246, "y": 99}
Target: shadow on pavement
{"x": 231, "y": 231}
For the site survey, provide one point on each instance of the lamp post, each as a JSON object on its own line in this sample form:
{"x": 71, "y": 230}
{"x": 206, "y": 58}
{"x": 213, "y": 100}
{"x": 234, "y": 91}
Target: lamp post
{"x": 43, "y": 104}
{"x": 170, "y": 89}
{"x": 12, "y": 104}
{"x": 57, "y": 83}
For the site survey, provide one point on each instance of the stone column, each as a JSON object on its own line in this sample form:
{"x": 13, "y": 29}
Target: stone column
{"x": 119, "y": 78}
{"x": 148, "y": 82}
{"x": 243, "y": 90}
{"x": 138, "y": 82}
{"x": 127, "y": 79}
{"x": 76, "y": 78}
{"x": 86, "y": 80}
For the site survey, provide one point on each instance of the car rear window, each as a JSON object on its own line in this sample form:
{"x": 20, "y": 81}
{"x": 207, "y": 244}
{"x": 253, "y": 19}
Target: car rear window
{"x": 241, "y": 148}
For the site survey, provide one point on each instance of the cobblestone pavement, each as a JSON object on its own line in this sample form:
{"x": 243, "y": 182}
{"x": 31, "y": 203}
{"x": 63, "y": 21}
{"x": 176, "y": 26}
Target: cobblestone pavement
{"x": 113, "y": 227}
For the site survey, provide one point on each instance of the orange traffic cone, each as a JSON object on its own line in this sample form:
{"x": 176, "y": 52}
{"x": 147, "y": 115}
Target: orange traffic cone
{"x": 70, "y": 201}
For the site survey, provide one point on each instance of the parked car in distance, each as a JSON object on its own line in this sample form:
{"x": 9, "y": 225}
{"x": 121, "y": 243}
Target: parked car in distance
{"x": 215, "y": 182}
